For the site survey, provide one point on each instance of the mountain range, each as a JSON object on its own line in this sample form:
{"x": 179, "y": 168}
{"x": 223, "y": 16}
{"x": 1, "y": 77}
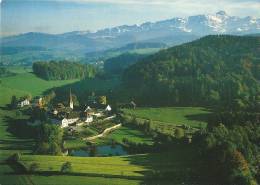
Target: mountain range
{"x": 172, "y": 32}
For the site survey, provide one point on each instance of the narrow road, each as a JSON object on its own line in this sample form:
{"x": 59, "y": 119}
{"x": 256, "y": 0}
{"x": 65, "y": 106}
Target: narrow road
{"x": 106, "y": 131}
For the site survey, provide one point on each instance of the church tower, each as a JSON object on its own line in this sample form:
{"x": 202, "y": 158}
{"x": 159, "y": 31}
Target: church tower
{"x": 71, "y": 100}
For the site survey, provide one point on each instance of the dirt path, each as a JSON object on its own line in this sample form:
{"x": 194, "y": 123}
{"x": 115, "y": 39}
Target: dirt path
{"x": 106, "y": 131}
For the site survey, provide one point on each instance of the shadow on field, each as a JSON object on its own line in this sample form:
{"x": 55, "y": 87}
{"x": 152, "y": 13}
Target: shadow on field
{"x": 204, "y": 117}
{"x": 20, "y": 134}
{"x": 5, "y": 108}
{"x": 19, "y": 128}
{"x": 180, "y": 166}
{"x": 16, "y": 145}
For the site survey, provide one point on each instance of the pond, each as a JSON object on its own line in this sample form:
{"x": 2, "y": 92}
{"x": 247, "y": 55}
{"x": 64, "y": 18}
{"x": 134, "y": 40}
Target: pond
{"x": 105, "y": 150}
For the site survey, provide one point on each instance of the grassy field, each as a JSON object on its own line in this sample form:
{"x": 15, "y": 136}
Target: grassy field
{"x": 132, "y": 135}
{"x": 182, "y": 162}
{"x": 102, "y": 170}
{"x": 76, "y": 180}
{"x": 189, "y": 116}
{"x": 12, "y": 139}
{"x": 26, "y": 83}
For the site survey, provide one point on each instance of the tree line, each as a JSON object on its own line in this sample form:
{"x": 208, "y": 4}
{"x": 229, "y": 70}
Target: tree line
{"x": 4, "y": 72}
{"x": 231, "y": 149}
{"x": 217, "y": 71}
{"x": 63, "y": 70}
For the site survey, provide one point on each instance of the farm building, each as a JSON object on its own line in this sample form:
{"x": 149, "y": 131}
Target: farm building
{"x": 24, "y": 103}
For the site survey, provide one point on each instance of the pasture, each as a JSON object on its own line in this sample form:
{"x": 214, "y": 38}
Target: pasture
{"x": 24, "y": 84}
{"x": 133, "y": 135}
{"x": 184, "y": 163}
{"x": 135, "y": 169}
{"x": 12, "y": 138}
{"x": 189, "y": 116}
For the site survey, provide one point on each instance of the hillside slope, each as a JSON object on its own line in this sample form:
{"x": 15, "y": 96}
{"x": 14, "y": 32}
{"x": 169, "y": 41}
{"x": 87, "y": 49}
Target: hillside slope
{"x": 211, "y": 70}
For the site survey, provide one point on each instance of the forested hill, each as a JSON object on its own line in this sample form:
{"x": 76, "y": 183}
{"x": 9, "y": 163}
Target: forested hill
{"x": 63, "y": 70}
{"x": 116, "y": 65}
{"x": 214, "y": 70}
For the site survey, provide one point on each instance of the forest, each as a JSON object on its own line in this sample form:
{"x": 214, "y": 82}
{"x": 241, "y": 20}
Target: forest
{"x": 63, "y": 70}
{"x": 221, "y": 72}
{"x": 214, "y": 70}
{"x": 118, "y": 64}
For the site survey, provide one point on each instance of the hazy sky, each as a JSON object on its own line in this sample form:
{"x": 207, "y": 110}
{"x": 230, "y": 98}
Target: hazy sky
{"x": 59, "y": 16}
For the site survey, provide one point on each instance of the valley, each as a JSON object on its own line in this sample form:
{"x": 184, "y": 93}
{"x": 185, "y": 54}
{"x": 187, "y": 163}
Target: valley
{"x": 164, "y": 118}
{"x": 16, "y": 136}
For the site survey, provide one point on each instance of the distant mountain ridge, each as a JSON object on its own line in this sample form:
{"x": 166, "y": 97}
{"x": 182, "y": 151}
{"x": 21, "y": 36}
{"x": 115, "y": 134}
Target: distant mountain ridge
{"x": 171, "y": 32}
{"x": 221, "y": 22}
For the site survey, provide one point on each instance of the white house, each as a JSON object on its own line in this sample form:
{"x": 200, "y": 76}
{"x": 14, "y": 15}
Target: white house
{"x": 88, "y": 109}
{"x": 108, "y": 108}
{"x": 55, "y": 112}
{"x": 89, "y": 119}
{"x": 65, "y": 122}
{"x": 24, "y": 103}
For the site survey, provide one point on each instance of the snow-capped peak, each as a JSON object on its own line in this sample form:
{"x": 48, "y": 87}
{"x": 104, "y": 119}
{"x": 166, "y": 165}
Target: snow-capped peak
{"x": 218, "y": 23}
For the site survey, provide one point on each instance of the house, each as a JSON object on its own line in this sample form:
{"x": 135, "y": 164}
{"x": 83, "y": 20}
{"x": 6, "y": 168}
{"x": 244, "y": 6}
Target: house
{"x": 108, "y": 108}
{"x": 65, "y": 122}
{"x": 38, "y": 101}
{"x": 24, "y": 103}
{"x": 89, "y": 119}
{"x": 70, "y": 118}
{"x": 65, "y": 119}
{"x": 88, "y": 109}
{"x": 71, "y": 101}
{"x": 55, "y": 112}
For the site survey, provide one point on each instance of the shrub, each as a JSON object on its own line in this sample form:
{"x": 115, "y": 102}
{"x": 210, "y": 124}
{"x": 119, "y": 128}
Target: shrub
{"x": 66, "y": 167}
{"x": 93, "y": 151}
{"x": 179, "y": 133}
{"x": 16, "y": 157}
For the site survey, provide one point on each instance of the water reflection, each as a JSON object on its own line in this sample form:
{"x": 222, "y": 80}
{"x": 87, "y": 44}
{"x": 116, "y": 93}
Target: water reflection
{"x": 106, "y": 150}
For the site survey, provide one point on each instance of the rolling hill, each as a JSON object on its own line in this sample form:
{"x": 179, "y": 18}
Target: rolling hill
{"x": 210, "y": 71}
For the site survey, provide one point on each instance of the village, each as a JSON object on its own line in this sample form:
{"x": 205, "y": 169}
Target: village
{"x": 73, "y": 119}
{"x": 67, "y": 116}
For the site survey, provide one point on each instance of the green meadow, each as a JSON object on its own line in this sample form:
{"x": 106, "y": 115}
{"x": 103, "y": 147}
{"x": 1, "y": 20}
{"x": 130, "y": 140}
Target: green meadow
{"x": 189, "y": 116}
{"x": 14, "y": 139}
{"x": 26, "y": 83}
{"x": 132, "y": 135}
{"x": 135, "y": 169}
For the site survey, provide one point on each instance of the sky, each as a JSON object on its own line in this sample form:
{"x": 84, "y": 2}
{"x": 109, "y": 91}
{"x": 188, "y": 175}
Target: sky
{"x": 60, "y": 16}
